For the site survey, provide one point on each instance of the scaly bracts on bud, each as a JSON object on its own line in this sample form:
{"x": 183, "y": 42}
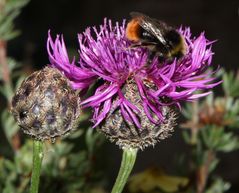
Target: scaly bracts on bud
{"x": 45, "y": 106}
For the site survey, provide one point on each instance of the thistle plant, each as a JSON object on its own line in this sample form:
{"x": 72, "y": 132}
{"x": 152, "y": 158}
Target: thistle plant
{"x": 134, "y": 103}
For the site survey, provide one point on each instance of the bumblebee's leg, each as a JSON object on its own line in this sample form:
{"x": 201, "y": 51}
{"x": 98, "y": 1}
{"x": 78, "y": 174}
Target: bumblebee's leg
{"x": 135, "y": 45}
{"x": 161, "y": 57}
{"x": 150, "y": 58}
{"x": 152, "y": 52}
{"x": 148, "y": 45}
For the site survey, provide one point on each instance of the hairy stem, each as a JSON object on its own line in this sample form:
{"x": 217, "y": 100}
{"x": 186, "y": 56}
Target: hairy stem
{"x": 127, "y": 163}
{"x": 37, "y": 162}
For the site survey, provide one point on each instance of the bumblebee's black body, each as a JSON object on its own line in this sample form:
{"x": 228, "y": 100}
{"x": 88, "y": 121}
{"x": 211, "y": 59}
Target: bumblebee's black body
{"x": 161, "y": 39}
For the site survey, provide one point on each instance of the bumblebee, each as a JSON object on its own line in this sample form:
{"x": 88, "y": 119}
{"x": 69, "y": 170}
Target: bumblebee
{"x": 160, "y": 39}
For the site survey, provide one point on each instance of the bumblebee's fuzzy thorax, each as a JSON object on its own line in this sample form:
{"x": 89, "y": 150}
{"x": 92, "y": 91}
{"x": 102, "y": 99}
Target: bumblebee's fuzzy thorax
{"x": 160, "y": 39}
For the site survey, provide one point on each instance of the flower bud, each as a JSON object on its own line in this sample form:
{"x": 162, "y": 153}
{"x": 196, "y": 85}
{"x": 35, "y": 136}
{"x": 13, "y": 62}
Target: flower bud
{"x": 126, "y": 134}
{"x": 45, "y": 106}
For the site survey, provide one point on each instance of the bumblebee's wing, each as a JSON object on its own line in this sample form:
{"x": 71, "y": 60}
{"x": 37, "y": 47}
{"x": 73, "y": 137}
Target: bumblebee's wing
{"x": 153, "y": 26}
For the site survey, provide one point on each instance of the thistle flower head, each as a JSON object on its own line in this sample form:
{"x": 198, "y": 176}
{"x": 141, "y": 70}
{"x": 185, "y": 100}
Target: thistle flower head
{"x": 45, "y": 106}
{"x": 128, "y": 89}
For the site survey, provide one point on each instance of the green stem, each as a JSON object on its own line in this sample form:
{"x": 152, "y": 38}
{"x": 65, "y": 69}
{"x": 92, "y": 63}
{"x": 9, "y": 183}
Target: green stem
{"x": 37, "y": 162}
{"x": 127, "y": 163}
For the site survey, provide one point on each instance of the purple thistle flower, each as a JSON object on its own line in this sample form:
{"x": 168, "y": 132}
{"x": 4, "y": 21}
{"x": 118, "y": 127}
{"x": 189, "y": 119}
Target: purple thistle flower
{"x": 106, "y": 56}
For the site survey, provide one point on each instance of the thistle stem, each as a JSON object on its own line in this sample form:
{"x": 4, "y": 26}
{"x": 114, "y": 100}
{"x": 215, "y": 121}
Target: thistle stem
{"x": 37, "y": 162}
{"x": 127, "y": 163}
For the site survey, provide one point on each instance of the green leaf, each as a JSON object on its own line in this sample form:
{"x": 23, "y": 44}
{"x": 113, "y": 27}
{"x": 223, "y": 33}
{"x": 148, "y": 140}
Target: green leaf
{"x": 217, "y": 139}
{"x": 187, "y": 111}
{"x": 92, "y": 138}
{"x": 218, "y": 186}
{"x": 213, "y": 164}
{"x": 76, "y": 134}
{"x": 230, "y": 86}
{"x": 9, "y": 165}
{"x": 9, "y": 124}
{"x": 186, "y": 136}
{"x": 228, "y": 143}
{"x": 9, "y": 11}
